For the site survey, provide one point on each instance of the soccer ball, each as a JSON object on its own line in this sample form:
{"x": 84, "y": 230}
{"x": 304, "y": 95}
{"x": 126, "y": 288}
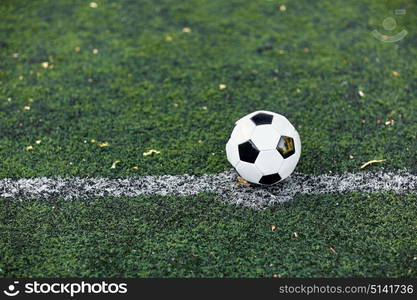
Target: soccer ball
{"x": 264, "y": 147}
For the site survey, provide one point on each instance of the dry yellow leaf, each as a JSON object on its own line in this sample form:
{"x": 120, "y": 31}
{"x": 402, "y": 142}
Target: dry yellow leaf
{"x": 150, "y": 152}
{"x": 241, "y": 181}
{"x": 114, "y": 165}
{"x": 372, "y": 162}
{"x": 105, "y": 144}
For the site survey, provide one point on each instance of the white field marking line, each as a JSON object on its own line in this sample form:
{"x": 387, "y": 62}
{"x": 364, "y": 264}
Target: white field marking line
{"x": 223, "y": 184}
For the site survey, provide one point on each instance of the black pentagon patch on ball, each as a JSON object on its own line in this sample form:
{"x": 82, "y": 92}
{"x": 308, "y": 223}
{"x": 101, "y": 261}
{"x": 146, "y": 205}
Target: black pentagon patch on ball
{"x": 248, "y": 152}
{"x": 270, "y": 179}
{"x": 262, "y": 119}
{"x": 286, "y": 146}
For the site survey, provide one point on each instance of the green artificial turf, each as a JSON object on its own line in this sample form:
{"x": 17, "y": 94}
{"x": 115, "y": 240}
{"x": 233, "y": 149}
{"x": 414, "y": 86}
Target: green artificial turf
{"x": 149, "y": 85}
{"x": 201, "y": 237}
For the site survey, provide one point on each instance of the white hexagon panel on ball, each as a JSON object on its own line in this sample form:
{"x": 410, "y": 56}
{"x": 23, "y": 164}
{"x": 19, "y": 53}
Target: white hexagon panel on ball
{"x": 264, "y": 147}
